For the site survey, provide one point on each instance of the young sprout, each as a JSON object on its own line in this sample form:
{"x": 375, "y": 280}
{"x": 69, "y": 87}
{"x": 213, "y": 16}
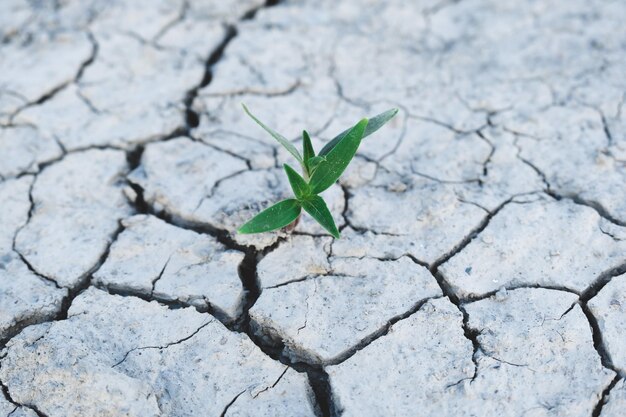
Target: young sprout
{"x": 319, "y": 172}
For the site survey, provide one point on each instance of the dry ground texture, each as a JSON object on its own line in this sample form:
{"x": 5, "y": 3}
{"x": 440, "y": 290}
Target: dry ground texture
{"x": 482, "y": 267}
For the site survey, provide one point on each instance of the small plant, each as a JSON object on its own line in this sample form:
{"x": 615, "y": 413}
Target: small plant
{"x": 319, "y": 172}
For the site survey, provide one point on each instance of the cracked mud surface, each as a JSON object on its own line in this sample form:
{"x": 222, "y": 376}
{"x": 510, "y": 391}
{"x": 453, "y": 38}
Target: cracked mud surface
{"x": 482, "y": 264}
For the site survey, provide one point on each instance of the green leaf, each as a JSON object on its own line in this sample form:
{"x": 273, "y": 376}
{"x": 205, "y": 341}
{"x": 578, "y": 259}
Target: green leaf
{"x": 317, "y": 208}
{"x": 379, "y": 121}
{"x": 272, "y": 218}
{"x": 337, "y": 159}
{"x": 280, "y": 138}
{"x": 299, "y": 186}
{"x": 374, "y": 124}
{"x": 314, "y": 163}
{"x": 307, "y": 147}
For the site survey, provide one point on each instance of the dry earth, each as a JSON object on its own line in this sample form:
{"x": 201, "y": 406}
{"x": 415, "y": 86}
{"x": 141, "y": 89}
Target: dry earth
{"x": 482, "y": 267}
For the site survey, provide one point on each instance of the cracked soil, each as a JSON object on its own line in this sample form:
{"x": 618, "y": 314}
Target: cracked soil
{"x": 482, "y": 265}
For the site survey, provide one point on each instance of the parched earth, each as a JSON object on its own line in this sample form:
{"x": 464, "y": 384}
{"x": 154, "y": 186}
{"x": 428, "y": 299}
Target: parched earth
{"x": 482, "y": 265}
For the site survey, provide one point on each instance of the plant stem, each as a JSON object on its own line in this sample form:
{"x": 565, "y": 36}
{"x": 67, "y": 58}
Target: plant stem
{"x": 291, "y": 226}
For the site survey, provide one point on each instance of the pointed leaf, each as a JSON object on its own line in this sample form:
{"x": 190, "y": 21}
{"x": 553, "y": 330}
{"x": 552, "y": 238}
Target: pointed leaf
{"x": 337, "y": 159}
{"x": 280, "y": 138}
{"x": 299, "y": 186}
{"x": 307, "y": 147}
{"x": 316, "y": 207}
{"x": 373, "y": 125}
{"x": 272, "y": 218}
{"x": 330, "y": 145}
{"x": 379, "y": 121}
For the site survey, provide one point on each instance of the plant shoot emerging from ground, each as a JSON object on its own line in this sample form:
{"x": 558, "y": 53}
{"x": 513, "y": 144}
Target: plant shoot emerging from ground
{"x": 319, "y": 172}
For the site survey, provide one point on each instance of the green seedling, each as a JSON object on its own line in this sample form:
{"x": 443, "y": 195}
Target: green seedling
{"x": 319, "y": 172}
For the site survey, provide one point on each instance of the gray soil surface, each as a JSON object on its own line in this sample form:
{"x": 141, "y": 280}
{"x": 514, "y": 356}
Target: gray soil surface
{"x": 482, "y": 265}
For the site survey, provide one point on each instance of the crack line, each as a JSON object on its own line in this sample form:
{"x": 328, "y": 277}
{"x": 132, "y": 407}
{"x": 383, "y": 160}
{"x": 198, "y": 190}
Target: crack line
{"x": 184, "y": 339}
